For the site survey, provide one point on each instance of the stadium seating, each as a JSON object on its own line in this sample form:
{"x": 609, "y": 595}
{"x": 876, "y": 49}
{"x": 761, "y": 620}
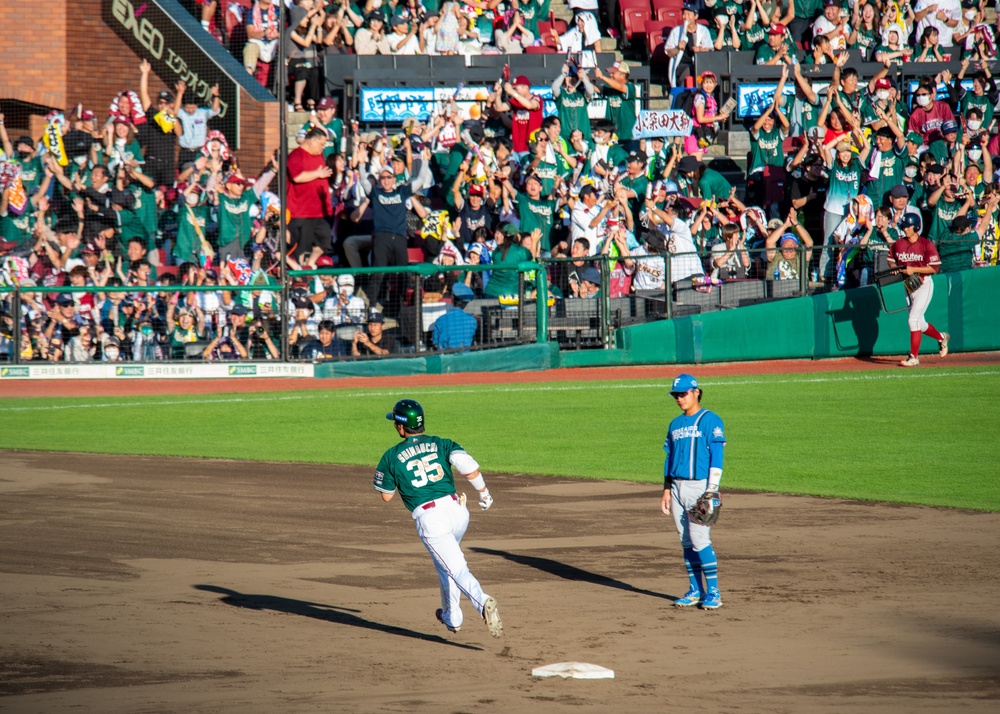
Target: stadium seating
{"x": 655, "y": 41}
{"x": 634, "y": 21}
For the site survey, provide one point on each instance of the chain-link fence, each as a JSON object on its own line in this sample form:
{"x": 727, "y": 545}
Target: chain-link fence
{"x": 374, "y": 313}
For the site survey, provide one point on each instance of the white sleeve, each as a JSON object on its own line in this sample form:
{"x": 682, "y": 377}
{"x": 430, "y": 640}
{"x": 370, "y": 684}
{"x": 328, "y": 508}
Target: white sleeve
{"x": 673, "y": 39}
{"x": 463, "y": 463}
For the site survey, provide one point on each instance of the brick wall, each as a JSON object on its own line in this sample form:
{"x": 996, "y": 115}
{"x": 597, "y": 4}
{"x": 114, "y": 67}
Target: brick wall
{"x": 67, "y": 55}
{"x": 33, "y": 60}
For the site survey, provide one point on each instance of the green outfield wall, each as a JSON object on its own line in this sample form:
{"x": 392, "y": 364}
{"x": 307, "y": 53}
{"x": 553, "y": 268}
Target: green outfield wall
{"x": 846, "y": 323}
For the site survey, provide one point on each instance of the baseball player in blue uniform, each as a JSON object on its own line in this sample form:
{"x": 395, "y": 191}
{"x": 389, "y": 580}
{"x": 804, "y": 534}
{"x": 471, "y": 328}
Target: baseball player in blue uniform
{"x": 421, "y": 469}
{"x": 693, "y": 465}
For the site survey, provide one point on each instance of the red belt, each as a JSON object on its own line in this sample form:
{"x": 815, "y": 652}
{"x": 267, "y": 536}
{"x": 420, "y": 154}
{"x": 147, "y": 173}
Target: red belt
{"x": 431, "y": 504}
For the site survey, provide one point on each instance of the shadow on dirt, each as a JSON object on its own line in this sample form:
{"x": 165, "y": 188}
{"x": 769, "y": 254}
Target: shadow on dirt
{"x": 327, "y": 613}
{"x": 569, "y": 572}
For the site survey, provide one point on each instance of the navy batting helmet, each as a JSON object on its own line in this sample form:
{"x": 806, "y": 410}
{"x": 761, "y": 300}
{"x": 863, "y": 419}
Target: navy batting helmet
{"x": 909, "y": 220}
{"x": 407, "y": 412}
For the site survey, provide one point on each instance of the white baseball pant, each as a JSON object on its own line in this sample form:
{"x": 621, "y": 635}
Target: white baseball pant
{"x": 441, "y": 529}
{"x": 920, "y": 299}
{"x": 683, "y": 495}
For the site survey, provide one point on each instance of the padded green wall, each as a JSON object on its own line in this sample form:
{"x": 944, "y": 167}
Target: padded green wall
{"x": 840, "y": 324}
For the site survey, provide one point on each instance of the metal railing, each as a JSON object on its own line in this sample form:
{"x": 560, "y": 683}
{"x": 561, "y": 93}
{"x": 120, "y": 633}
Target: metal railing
{"x": 375, "y": 313}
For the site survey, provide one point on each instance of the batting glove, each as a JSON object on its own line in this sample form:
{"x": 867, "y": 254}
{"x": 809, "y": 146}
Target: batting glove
{"x": 485, "y": 499}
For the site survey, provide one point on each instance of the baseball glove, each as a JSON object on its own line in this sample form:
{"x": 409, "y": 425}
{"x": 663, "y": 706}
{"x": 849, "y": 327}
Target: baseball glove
{"x": 913, "y": 282}
{"x": 706, "y": 509}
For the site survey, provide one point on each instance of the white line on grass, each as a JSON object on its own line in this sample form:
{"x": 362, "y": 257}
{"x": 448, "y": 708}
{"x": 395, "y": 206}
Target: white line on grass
{"x": 552, "y": 387}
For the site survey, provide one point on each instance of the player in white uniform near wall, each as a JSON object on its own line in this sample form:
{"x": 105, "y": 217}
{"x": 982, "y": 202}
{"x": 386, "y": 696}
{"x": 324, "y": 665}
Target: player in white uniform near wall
{"x": 915, "y": 255}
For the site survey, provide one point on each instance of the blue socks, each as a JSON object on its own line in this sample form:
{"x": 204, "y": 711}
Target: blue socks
{"x": 693, "y": 564}
{"x": 709, "y": 566}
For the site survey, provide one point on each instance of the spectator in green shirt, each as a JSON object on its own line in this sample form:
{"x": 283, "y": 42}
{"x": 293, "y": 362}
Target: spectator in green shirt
{"x": 326, "y": 118}
{"x": 620, "y": 95}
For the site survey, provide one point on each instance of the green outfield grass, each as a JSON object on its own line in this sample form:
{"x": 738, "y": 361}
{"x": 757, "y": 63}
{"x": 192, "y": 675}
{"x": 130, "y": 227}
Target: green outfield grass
{"x": 924, "y": 436}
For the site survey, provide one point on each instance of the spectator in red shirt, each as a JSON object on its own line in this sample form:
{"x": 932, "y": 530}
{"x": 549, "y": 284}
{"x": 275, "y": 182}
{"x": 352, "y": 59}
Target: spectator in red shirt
{"x": 928, "y": 112}
{"x": 309, "y": 201}
{"x": 525, "y": 108}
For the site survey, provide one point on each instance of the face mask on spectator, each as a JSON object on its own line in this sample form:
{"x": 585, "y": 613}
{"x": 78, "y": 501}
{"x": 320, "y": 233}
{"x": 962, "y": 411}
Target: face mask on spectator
{"x": 146, "y": 330}
{"x": 80, "y": 160}
{"x": 191, "y": 199}
{"x": 910, "y": 171}
{"x": 970, "y": 14}
{"x": 883, "y": 95}
{"x": 111, "y": 353}
{"x": 974, "y": 124}
{"x": 975, "y": 154}
{"x": 24, "y": 154}
{"x": 923, "y": 100}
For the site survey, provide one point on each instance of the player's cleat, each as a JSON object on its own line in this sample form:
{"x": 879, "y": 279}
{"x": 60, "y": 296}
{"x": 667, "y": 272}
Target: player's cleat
{"x": 492, "y": 616}
{"x": 943, "y": 344}
{"x": 910, "y": 361}
{"x": 693, "y": 597}
{"x": 440, "y": 616}
{"x": 712, "y": 601}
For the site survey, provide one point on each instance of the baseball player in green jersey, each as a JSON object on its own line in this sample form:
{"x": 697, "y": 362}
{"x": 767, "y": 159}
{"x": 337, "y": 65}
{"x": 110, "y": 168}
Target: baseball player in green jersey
{"x": 420, "y": 469}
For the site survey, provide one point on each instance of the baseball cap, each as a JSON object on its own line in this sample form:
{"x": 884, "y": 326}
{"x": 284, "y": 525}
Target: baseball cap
{"x": 345, "y": 279}
{"x": 462, "y": 291}
{"x": 690, "y": 7}
{"x": 638, "y": 157}
{"x": 935, "y": 169}
{"x": 534, "y": 176}
{"x": 397, "y": 21}
{"x": 90, "y": 248}
{"x": 621, "y": 67}
{"x": 87, "y": 115}
{"x": 789, "y": 236}
{"x": 477, "y": 189}
{"x": 915, "y": 138}
{"x": 239, "y": 309}
{"x": 683, "y": 383}
{"x": 827, "y": 3}
{"x": 375, "y": 15}
{"x": 949, "y": 126}
{"x": 26, "y": 140}
{"x": 883, "y": 83}
{"x": 591, "y": 275}
{"x": 65, "y": 299}
{"x": 324, "y": 261}
{"x": 386, "y": 170}
{"x": 521, "y": 80}
{"x": 166, "y": 96}
{"x": 776, "y": 29}
{"x": 899, "y": 191}
{"x": 688, "y": 164}
{"x": 376, "y": 317}
{"x": 236, "y": 180}
{"x": 327, "y": 103}
{"x": 707, "y": 74}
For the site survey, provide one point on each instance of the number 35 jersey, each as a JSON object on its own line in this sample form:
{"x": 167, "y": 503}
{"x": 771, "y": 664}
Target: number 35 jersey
{"x": 419, "y": 468}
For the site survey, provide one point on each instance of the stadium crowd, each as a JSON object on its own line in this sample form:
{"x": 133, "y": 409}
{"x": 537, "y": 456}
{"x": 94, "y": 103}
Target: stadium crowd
{"x": 144, "y": 194}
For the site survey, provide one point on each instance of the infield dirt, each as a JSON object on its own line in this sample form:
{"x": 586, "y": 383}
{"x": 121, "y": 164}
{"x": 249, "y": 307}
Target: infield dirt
{"x": 165, "y": 585}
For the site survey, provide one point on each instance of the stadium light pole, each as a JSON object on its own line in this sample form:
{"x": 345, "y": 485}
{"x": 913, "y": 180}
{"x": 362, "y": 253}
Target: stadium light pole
{"x": 282, "y": 180}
